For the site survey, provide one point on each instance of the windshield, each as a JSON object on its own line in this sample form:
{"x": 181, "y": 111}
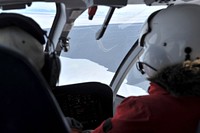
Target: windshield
{"x": 97, "y": 60}
{"x": 89, "y": 59}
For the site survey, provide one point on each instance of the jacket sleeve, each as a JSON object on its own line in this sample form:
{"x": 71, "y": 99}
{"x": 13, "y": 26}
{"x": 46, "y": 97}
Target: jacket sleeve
{"x": 130, "y": 117}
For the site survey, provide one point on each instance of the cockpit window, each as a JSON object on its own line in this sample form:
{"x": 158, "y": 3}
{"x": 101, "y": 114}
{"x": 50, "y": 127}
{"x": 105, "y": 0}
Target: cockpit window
{"x": 97, "y": 60}
{"x": 42, "y": 12}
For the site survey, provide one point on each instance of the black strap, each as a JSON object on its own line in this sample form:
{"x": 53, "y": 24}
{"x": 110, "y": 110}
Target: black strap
{"x": 107, "y": 126}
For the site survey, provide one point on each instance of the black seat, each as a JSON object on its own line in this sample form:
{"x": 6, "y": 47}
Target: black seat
{"x": 26, "y": 104}
{"x": 90, "y": 103}
{"x": 198, "y": 128}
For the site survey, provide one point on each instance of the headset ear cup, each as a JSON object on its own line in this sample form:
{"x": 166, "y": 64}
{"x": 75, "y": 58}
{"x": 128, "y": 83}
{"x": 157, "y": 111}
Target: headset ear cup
{"x": 51, "y": 69}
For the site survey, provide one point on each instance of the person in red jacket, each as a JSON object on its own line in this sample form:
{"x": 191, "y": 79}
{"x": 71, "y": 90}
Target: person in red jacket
{"x": 171, "y": 60}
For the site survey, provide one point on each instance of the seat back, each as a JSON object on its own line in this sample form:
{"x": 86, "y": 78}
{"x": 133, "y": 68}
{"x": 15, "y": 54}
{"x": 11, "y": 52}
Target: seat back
{"x": 27, "y": 104}
{"x": 90, "y": 103}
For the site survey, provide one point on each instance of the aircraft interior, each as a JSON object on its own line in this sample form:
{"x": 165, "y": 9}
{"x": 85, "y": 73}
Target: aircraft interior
{"x": 78, "y": 31}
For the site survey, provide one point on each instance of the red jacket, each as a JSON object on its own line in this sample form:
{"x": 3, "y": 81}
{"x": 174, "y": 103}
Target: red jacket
{"x": 158, "y": 112}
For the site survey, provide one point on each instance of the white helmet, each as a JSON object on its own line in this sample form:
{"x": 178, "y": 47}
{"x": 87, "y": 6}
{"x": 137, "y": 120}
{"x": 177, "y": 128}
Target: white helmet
{"x": 170, "y": 36}
{"x": 24, "y": 43}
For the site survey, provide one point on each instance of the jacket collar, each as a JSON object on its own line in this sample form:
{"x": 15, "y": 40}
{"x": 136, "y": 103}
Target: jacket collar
{"x": 155, "y": 89}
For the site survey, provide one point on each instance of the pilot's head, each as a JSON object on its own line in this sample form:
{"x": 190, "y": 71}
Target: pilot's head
{"x": 16, "y": 32}
{"x": 170, "y": 36}
{"x": 24, "y": 35}
{"x": 18, "y": 40}
{"x": 171, "y": 58}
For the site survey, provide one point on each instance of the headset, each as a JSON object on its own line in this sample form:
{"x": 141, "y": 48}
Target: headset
{"x": 52, "y": 65}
